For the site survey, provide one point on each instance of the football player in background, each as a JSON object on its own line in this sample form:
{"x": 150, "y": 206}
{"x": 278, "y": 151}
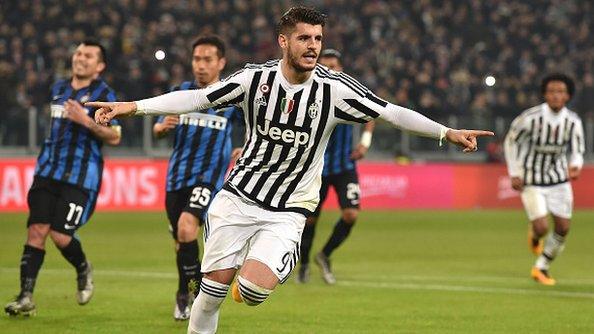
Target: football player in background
{"x": 67, "y": 175}
{"x": 197, "y": 167}
{"x": 536, "y": 150}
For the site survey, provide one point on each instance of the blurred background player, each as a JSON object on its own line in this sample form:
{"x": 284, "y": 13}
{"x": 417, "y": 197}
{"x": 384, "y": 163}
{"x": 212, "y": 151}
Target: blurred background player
{"x": 339, "y": 172}
{"x": 536, "y": 148}
{"x": 67, "y": 175}
{"x": 197, "y": 167}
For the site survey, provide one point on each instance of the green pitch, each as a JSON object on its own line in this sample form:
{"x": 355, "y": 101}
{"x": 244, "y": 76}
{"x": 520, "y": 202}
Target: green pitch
{"x": 400, "y": 272}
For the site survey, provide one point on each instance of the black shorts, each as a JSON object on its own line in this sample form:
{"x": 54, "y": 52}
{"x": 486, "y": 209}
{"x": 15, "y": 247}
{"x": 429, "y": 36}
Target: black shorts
{"x": 65, "y": 207}
{"x": 194, "y": 200}
{"x": 347, "y": 189}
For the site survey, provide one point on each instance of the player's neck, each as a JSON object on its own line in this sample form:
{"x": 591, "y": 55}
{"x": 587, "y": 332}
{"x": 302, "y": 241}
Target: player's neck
{"x": 292, "y": 75}
{"x": 78, "y": 83}
{"x": 204, "y": 85}
{"x": 555, "y": 110}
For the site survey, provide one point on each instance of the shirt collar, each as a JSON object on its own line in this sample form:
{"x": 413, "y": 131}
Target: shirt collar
{"x": 550, "y": 111}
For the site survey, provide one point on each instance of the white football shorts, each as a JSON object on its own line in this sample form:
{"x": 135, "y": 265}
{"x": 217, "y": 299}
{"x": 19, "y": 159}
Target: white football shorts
{"x": 237, "y": 229}
{"x": 539, "y": 201}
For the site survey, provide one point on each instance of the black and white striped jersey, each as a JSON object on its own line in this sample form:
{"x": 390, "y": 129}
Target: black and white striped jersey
{"x": 538, "y": 142}
{"x": 287, "y": 128}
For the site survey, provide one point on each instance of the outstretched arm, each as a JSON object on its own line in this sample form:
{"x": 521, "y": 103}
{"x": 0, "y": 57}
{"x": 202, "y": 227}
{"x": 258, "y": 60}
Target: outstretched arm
{"x": 174, "y": 103}
{"x": 416, "y": 123}
{"x": 357, "y": 104}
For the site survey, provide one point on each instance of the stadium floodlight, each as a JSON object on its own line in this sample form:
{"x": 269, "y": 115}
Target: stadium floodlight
{"x": 160, "y": 54}
{"x": 490, "y": 81}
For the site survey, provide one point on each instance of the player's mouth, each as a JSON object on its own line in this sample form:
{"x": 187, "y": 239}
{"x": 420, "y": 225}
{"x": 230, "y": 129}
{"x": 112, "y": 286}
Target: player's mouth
{"x": 79, "y": 66}
{"x": 202, "y": 75}
{"x": 310, "y": 57}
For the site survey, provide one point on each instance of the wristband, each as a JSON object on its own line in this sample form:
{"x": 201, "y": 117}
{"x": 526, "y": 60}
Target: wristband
{"x": 366, "y": 139}
{"x": 442, "y": 134}
{"x": 139, "y": 108}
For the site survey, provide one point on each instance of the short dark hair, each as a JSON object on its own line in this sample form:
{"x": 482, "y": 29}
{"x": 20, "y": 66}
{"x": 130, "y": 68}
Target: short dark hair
{"x": 331, "y": 53}
{"x": 558, "y": 77}
{"x": 299, "y": 15}
{"x": 213, "y": 40}
{"x": 102, "y": 51}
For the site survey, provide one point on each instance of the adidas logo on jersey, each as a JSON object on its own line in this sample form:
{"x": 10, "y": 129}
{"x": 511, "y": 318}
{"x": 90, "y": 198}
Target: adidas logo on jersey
{"x": 261, "y": 101}
{"x": 284, "y": 135}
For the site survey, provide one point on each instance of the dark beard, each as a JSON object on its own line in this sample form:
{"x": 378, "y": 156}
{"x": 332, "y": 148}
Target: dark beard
{"x": 295, "y": 64}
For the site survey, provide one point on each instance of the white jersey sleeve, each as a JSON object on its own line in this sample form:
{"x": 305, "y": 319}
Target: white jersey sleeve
{"x": 518, "y": 133}
{"x": 230, "y": 91}
{"x": 577, "y": 145}
{"x": 357, "y": 104}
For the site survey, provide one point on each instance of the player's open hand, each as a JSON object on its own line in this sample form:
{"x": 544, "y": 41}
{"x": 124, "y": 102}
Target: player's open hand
{"x": 466, "y": 138}
{"x": 75, "y": 112}
{"x": 110, "y": 110}
{"x": 170, "y": 122}
{"x": 359, "y": 152}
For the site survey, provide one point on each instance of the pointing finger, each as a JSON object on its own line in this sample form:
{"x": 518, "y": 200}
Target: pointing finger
{"x": 96, "y": 104}
{"x": 480, "y": 133}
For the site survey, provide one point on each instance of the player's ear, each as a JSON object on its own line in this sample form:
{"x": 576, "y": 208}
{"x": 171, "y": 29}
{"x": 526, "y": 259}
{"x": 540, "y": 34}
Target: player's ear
{"x": 283, "y": 41}
{"x": 100, "y": 66}
{"x": 222, "y": 63}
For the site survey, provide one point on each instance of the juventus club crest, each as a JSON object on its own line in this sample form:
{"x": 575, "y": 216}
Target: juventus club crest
{"x": 287, "y": 105}
{"x": 312, "y": 111}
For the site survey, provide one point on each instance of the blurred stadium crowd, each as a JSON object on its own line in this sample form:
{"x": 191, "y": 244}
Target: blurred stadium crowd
{"x": 427, "y": 54}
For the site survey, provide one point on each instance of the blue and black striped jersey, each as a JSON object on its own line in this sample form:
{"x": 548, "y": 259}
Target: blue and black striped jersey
{"x": 202, "y": 146}
{"x": 337, "y": 157}
{"x": 71, "y": 153}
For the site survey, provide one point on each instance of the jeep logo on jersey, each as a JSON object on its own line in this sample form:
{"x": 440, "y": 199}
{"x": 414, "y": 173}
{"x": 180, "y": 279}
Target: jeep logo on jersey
{"x": 283, "y": 134}
{"x": 287, "y": 105}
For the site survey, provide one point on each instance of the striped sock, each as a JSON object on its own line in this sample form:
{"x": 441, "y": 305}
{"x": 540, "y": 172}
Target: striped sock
{"x": 205, "y": 310}
{"x": 251, "y": 293}
{"x": 553, "y": 245}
